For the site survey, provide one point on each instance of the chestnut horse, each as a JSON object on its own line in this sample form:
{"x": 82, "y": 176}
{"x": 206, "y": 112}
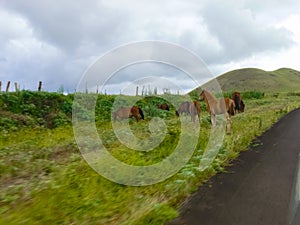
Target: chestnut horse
{"x": 191, "y": 108}
{"x": 128, "y": 112}
{"x": 239, "y": 104}
{"x": 163, "y": 106}
{"x": 218, "y": 106}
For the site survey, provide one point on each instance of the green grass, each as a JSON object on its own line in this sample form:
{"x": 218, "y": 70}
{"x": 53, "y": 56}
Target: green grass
{"x": 45, "y": 180}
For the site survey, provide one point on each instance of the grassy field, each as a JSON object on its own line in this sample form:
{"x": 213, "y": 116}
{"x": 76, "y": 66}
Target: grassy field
{"x": 45, "y": 180}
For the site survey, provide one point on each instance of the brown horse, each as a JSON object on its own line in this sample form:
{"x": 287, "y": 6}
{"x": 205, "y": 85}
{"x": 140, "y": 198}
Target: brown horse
{"x": 218, "y": 106}
{"x": 189, "y": 108}
{"x": 163, "y": 106}
{"x": 230, "y": 105}
{"x": 239, "y": 104}
{"x": 128, "y": 112}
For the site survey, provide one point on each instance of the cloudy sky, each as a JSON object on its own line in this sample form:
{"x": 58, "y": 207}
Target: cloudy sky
{"x": 57, "y": 41}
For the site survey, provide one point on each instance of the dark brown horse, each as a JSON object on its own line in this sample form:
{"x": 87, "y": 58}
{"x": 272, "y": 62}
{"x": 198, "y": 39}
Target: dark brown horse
{"x": 128, "y": 112}
{"x": 163, "y": 106}
{"x": 239, "y": 104}
{"x": 189, "y": 108}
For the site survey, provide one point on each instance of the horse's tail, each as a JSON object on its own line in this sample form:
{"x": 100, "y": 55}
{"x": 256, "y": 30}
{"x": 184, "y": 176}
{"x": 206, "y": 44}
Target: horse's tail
{"x": 232, "y": 107}
{"x": 141, "y": 113}
{"x": 197, "y": 108}
{"x": 242, "y": 106}
{"x": 237, "y": 102}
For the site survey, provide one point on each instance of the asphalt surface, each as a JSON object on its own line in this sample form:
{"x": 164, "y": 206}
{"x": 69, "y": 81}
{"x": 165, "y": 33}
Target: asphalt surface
{"x": 261, "y": 187}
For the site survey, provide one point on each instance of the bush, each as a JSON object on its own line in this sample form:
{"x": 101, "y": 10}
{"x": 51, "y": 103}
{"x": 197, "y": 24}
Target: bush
{"x": 293, "y": 94}
{"x": 253, "y": 95}
{"x": 26, "y": 108}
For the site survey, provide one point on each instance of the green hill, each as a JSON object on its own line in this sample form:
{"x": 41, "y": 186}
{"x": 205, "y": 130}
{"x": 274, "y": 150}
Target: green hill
{"x": 252, "y": 79}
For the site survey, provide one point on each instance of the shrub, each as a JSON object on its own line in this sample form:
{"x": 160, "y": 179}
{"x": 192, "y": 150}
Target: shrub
{"x": 253, "y": 95}
{"x": 35, "y": 108}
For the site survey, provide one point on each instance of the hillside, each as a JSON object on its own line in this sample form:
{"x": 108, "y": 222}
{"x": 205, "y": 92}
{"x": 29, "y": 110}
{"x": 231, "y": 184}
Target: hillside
{"x": 252, "y": 79}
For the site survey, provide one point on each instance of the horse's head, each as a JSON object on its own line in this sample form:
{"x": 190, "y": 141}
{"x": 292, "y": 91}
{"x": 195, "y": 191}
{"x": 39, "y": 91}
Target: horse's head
{"x": 202, "y": 95}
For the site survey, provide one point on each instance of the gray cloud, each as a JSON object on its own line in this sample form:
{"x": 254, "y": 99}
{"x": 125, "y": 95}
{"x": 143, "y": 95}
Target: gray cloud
{"x": 56, "y": 42}
{"x": 69, "y": 25}
{"x": 240, "y": 34}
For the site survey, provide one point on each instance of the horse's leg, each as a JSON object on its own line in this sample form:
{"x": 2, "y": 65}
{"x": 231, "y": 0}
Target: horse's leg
{"x": 213, "y": 119}
{"x": 198, "y": 113}
{"x": 228, "y": 123}
{"x": 232, "y": 108}
{"x": 136, "y": 118}
{"x": 197, "y": 110}
{"x": 191, "y": 109}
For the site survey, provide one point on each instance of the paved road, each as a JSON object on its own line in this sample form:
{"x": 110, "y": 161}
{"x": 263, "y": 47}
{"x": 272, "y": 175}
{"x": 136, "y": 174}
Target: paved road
{"x": 261, "y": 188}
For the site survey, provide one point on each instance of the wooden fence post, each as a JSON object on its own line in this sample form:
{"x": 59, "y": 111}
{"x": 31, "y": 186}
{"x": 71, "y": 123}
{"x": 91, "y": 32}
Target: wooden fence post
{"x": 86, "y": 88}
{"x": 143, "y": 90}
{"x": 40, "y": 86}
{"x": 0, "y": 86}
{"x": 137, "y": 91}
{"x": 7, "y": 86}
{"x": 16, "y": 87}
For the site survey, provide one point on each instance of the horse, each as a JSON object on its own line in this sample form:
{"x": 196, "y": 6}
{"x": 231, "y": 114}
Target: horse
{"x": 231, "y": 106}
{"x": 128, "y": 112}
{"x": 239, "y": 104}
{"x": 163, "y": 106}
{"x": 218, "y": 106}
{"x": 189, "y": 108}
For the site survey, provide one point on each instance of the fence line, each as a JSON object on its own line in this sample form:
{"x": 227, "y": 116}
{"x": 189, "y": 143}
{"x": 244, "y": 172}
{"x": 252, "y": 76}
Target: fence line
{"x": 17, "y": 86}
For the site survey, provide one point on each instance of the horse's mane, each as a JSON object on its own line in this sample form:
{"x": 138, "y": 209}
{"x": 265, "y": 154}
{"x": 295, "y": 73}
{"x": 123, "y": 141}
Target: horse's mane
{"x": 210, "y": 97}
{"x": 141, "y": 113}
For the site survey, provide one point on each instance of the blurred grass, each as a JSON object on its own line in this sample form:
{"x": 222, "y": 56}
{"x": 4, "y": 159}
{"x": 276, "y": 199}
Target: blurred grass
{"x": 45, "y": 180}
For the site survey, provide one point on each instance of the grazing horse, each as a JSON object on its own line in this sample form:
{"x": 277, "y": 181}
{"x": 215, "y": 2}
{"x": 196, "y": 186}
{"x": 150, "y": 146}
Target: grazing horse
{"x": 163, "y": 106}
{"x": 191, "y": 108}
{"x": 127, "y": 112}
{"x": 230, "y": 105}
{"x": 218, "y": 106}
{"x": 239, "y": 104}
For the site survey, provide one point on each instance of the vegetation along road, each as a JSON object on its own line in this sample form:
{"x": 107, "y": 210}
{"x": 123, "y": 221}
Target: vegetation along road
{"x": 261, "y": 188}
